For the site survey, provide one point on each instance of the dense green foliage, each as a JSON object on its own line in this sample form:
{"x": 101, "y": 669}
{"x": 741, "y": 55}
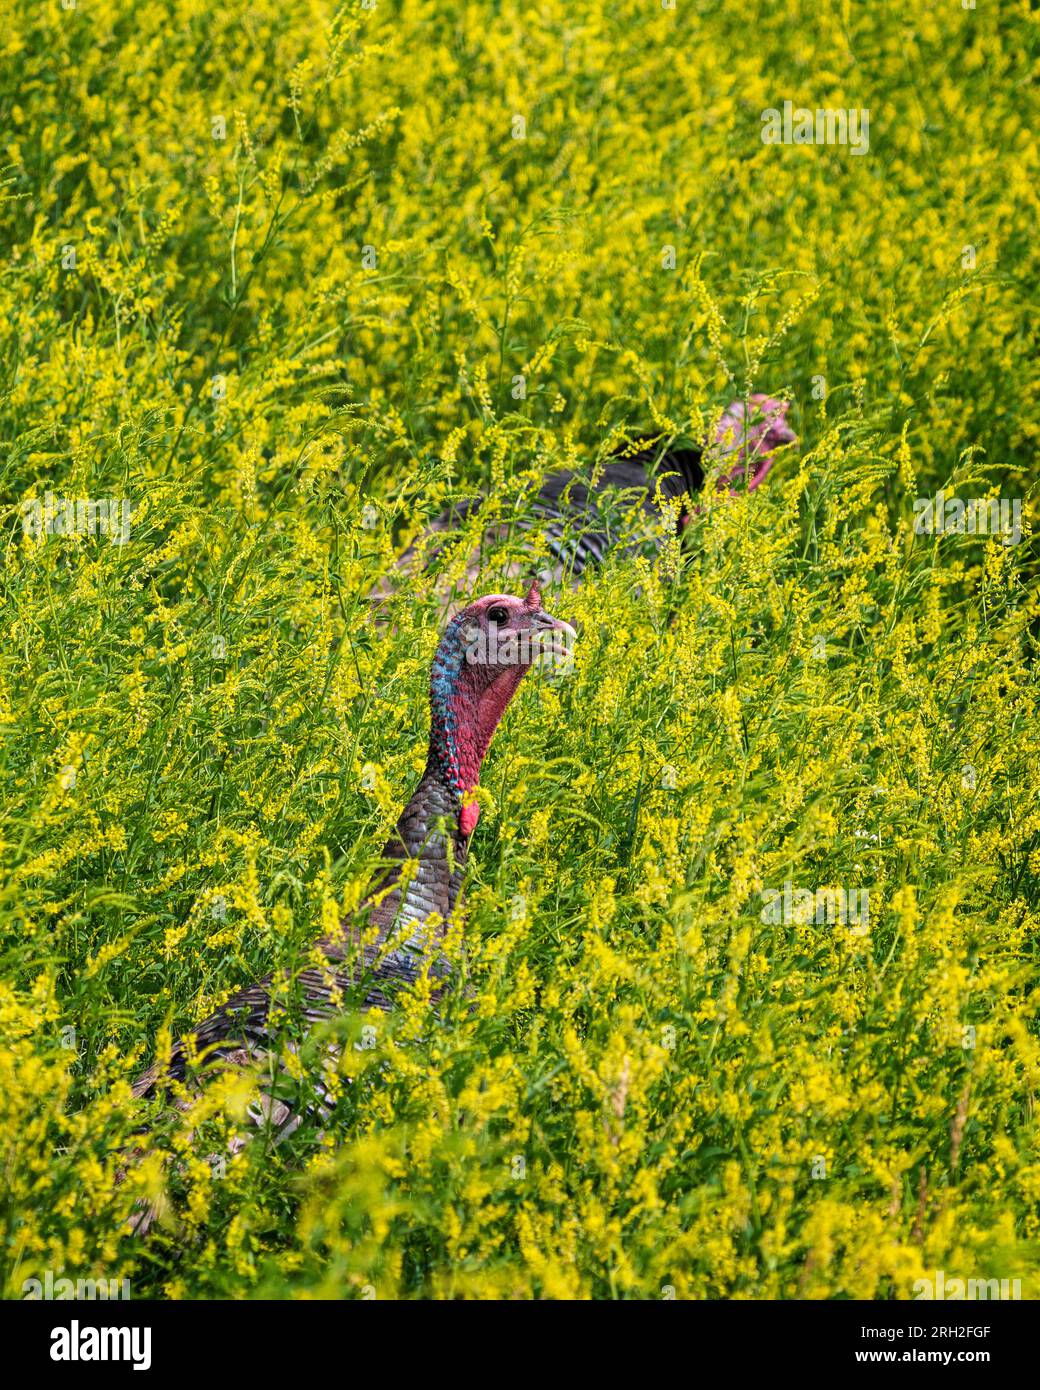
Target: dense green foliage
{"x": 271, "y": 273}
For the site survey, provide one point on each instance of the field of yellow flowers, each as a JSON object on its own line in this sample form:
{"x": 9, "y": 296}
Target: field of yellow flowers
{"x": 284, "y": 279}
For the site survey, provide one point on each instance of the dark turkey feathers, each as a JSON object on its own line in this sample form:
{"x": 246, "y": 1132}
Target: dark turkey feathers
{"x": 579, "y": 517}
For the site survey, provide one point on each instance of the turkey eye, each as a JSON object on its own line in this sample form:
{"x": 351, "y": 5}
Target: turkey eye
{"x": 498, "y": 614}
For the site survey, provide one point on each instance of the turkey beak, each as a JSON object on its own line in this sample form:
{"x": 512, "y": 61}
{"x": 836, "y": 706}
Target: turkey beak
{"x": 541, "y": 621}
{"x": 554, "y": 637}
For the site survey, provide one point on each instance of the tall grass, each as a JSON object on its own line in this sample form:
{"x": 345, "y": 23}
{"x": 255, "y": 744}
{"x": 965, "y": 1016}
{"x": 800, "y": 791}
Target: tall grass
{"x": 287, "y": 347}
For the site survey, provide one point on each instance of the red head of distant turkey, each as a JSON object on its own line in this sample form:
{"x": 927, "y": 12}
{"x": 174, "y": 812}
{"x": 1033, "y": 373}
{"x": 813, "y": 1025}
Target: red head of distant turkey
{"x": 480, "y": 661}
{"x": 752, "y": 433}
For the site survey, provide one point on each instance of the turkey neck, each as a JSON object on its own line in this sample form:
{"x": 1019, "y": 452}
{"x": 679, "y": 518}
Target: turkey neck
{"x": 466, "y": 704}
{"x": 422, "y": 834}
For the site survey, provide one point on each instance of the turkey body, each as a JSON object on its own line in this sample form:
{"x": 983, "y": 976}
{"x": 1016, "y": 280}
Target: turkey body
{"x": 575, "y": 519}
{"x": 569, "y": 525}
{"x": 241, "y": 1031}
{"x": 581, "y": 521}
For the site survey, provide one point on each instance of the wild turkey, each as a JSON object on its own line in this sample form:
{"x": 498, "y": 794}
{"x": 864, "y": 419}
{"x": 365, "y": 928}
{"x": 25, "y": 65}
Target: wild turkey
{"x": 579, "y": 520}
{"x": 478, "y": 665}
